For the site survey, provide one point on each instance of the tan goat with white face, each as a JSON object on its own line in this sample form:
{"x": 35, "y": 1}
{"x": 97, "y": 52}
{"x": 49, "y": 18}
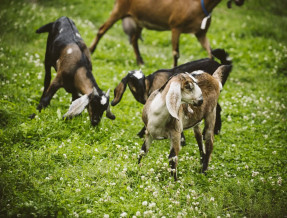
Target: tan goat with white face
{"x": 183, "y": 102}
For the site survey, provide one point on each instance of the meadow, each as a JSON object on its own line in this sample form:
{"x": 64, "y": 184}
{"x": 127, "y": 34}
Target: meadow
{"x": 55, "y": 168}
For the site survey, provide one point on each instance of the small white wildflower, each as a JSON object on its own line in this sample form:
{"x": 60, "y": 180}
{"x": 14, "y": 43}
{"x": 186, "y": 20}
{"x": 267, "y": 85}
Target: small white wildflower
{"x": 228, "y": 215}
{"x": 123, "y": 214}
{"x": 138, "y": 213}
{"x": 65, "y": 156}
{"x": 144, "y": 203}
{"x": 88, "y": 211}
{"x": 279, "y": 181}
{"x": 75, "y": 214}
{"x": 254, "y": 173}
{"x": 274, "y": 152}
{"x": 212, "y": 199}
{"x": 96, "y": 150}
{"x": 106, "y": 215}
{"x": 152, "y": 205}
{"x": 78, "y": 190}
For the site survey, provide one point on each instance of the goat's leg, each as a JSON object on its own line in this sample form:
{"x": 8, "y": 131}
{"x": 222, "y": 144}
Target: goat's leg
{"x": 134, "y": 40}
{"x": 145, "y": 147}
{"x": 142, "y": 132}
{"x": 47, "y": 96}
{"x": 114, "y": 17}
{"x": 209, "y": 137}
{"x": 218, "y": 123}
{"x": 198, "y": 137}
{"x": 201, "y": 36}
{"x": 182, "y": 140}
{"x": 173, "y": 155}
{"x": 175, "y": 35}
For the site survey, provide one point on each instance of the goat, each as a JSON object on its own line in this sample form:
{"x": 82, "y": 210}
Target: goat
{"x": 181, "y": 16}
{"x": 141, "y": 86}
{"x": 70, "y": 57}
{"x": 183, "y": 102}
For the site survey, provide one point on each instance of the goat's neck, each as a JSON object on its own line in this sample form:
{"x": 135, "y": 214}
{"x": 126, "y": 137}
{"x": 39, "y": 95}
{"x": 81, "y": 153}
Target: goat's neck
{"x": 211, "y": 4}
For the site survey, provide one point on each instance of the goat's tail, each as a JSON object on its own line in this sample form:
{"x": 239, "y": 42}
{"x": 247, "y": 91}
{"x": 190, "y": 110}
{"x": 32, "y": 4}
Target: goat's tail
{"x": 222, "y": 73}
{"x": 222, "y": 55}
{"x": 46, "y": 28}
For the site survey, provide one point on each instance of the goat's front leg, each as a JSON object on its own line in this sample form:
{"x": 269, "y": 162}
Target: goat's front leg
{"x": 141, "y": 133}
{"x": 209, "y": 137}
{"x": 47, "y": 96}
{"x": 115, "y": 16}
{"x": 145, "y": 146}
{"x": 174, "y": 151}
{"x": 175, "y": 34}
{"x": 198, "y": 137}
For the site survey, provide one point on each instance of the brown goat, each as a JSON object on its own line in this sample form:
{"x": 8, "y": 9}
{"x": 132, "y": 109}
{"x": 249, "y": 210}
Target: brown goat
{"x": 181, "y": 16}
{"x": 183, "y": 102}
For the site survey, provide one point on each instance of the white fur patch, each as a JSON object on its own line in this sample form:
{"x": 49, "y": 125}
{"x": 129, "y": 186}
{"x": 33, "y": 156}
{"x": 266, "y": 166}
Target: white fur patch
{"x": 69, "y": 51}
{"x": 194, "y": 80}
{"x": 103, "y": 100}
{"x": 220, "y": 85}
{"x": 60, "y": 30}
{"x": 189, "y": 109}
{"x": 197, "y": 72}
{"x": 138, "y": 74}
{"x": 77, "y": 34}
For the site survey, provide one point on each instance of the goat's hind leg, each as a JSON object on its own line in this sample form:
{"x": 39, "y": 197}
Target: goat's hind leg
{"x": 209, "y": 137}
{"x": 198, "y": 137}
{"x": 173, "y": 155}
{"x": 145, "y": 146}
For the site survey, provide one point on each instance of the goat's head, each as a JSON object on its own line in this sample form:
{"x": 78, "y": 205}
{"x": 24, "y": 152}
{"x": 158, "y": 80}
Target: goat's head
{"x": 237, "y": 2}
{"x": 183, "y": 88}
{"x": 136, "y": 81}
{"x": 97, "y": 105}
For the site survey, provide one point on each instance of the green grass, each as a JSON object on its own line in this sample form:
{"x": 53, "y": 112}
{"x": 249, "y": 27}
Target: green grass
{"x": 49, "y": 167}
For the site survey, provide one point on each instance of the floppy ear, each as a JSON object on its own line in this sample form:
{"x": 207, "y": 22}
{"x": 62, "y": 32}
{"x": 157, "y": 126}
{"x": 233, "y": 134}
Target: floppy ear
{"x": 109, "y": 114}
{"x": 77, "y": 106}
{"x": 173, "y": 99}
{"x": 119, "y": 90}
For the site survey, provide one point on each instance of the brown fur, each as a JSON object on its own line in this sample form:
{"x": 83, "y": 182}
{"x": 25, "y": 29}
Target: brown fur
{"x": 173, "y": 127}
{"x": 181, "y": 16}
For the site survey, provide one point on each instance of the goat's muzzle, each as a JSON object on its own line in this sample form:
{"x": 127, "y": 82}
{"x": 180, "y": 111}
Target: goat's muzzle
{"x": 198, "y": 102}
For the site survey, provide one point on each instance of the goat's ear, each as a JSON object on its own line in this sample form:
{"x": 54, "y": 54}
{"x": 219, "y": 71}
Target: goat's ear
{"x": 173, "y": 99}
{"x": 119, "y": 90}
{"x": 109, "y": 114}
{"x": 77, "y": 106}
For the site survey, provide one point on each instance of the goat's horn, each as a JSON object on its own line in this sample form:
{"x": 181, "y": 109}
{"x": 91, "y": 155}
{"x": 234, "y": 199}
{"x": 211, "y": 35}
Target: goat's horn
{"x": 95, "y": 92}
{"x": 108, "y": 93}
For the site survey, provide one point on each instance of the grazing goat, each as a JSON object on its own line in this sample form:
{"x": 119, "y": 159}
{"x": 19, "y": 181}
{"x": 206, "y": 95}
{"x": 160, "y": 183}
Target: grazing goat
{"x": 181, "y": 16}
{"x": 183, "y": 102}
{"x": 70, "y": 57}
{"x": 141, "y": 86}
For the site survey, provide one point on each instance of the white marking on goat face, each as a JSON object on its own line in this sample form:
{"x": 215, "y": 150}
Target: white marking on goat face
{"x": 69, "y": 51}
{"x": 192, "y": 95}
{"x": 197, "y": 72}
{"x": 103, "y": 100}
{"x": 138, "y": 74}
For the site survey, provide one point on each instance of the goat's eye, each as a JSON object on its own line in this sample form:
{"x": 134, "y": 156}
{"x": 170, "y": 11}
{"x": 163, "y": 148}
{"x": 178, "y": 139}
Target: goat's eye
{"x": 188, "y": 86}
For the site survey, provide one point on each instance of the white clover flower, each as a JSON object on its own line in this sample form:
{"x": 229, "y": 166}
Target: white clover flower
{"x": 65, "y": 156}
{"x": 144, "y": 203}
{"x": 88, "y": 211}
{"x": 274, "y": 152}
{"x": 78, "y": 190}
{"x": 138, "y": 213}
{"x": 212, "y": 199}
{"x": 123, "y": 214}
{"x": 152, "y": 205}
{"x": 75, "y": 214}
{"x": 254, "y": 173}
{"x": 106, "y": 215}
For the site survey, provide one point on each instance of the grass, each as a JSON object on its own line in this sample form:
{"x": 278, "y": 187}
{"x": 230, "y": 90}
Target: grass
{"x": 49, "y": 167}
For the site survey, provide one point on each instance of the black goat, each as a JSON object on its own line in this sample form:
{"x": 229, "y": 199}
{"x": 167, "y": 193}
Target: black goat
{"x": 70, "y": 57}
{"x": 141, "y": 86}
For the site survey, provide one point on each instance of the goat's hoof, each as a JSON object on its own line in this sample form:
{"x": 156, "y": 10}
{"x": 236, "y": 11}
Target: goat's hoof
{"x": 32, "y": 116}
